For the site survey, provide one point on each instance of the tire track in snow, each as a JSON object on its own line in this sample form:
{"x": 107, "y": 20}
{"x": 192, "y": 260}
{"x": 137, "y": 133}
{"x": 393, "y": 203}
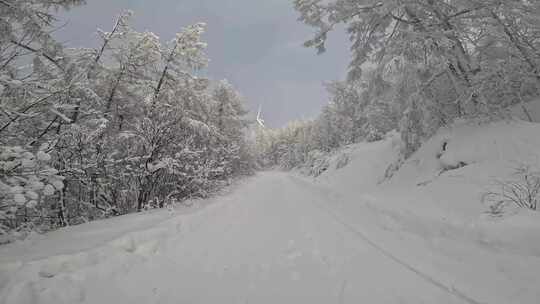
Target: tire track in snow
{"x": 388, "y": 254}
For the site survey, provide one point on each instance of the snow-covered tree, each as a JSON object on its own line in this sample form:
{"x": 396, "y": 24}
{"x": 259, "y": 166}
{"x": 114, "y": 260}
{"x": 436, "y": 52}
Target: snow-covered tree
{"x": 440, "y": 59}
{"x": 90, "y": 133}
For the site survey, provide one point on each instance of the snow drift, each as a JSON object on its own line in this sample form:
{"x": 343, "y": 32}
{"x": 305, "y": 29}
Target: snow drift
{"x": 443, "y": 183}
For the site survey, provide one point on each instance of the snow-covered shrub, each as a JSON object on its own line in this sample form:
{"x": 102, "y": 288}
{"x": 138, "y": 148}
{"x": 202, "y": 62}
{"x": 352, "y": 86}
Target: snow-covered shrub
{"x": 373, "y": 134}
{"x": 342, "y": 160}
{"x": 26, "y": 181}
{"x": 523, "y": 191}
{"x": 317, "y": 162}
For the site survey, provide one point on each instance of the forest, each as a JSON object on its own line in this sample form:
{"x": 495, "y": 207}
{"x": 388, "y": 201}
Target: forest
{"x": 91, "y": 133}
{"x": 130, "y": 125}
{"x": 416, "y": 66}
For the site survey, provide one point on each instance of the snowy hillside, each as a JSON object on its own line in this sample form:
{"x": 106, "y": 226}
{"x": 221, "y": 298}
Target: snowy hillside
{"x": 436, "y": 196}
{"x": 448, "y": 186}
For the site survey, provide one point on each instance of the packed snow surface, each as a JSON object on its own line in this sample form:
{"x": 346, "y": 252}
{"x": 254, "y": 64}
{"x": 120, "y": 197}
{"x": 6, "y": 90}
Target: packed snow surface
{"x": 345, "y": 237}
{"x": 274, "y": 239}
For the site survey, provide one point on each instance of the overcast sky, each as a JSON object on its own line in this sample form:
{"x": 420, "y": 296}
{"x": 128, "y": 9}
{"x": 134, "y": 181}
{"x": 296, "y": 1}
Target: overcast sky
{"x": 255, "y": 44}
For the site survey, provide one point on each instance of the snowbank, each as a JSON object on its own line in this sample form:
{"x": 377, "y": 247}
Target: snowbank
{"x": 362, "y": 166}
{"x": 431, "y": 211}
{"x": 101, "y": 249}
{"x": 438, "y": 191}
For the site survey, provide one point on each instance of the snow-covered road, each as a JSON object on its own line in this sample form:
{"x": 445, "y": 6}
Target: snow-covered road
{"x": 272, "y": 243}
{"x": 274, "y": 239}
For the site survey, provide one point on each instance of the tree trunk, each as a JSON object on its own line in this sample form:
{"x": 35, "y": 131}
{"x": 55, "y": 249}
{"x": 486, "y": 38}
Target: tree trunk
{"x": 161, "y": 81}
